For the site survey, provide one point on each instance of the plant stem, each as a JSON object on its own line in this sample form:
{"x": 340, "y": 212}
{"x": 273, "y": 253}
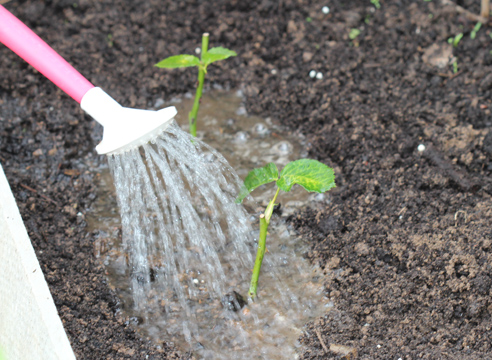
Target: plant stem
{"x": 192, "y": 116}
{"x": 260, "y": 253}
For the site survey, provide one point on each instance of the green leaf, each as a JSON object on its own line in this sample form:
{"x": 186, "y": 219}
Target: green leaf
{"x": 457, "y": 39}
{"x": 475, "y": 30}
{"x": 258, "y": 177}
{"x": 310, "y": 174}
{"x": 217, "y": 54}
{"x": 178, "y": 61}
{"x": 354, "y": 33}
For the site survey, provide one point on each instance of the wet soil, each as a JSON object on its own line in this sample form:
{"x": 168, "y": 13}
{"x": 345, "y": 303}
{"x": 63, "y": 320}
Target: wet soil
{"x": 405, "y": 240}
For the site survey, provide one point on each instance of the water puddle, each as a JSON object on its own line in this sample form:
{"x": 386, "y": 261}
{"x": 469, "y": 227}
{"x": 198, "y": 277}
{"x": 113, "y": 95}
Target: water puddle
{"x": 184, "y": 299}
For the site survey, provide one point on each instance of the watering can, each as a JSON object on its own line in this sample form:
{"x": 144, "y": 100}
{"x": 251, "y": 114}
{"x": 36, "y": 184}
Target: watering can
{"x": 124, "y": 128}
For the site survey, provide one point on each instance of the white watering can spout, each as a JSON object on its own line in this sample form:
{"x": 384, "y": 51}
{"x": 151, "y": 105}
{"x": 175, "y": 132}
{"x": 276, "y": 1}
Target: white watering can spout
{"x": 124, "y": 128}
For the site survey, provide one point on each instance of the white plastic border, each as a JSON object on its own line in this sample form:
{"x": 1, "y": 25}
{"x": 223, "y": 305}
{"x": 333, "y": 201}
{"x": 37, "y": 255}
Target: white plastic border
{"x": 30, "y": 327}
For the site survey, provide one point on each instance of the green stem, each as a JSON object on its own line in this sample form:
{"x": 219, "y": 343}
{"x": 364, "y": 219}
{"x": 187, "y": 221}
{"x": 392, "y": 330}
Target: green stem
{"x": 260, "y": 253}
{"x": 192, "y": 116}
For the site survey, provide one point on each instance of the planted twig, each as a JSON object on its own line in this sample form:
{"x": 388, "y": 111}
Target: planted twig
{"x": 485, "y": 9}
{"x": 468, "y": 14}
{"x": 206, "y": 58}
{"x": 41, "y": 195}
{"x": 323, "y": 345}
{"x": 310, "y": 174}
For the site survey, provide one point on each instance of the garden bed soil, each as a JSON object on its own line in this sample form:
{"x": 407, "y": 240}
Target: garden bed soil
{"x": 405, "y": 240}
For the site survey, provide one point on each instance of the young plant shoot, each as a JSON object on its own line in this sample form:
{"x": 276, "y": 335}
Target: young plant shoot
{"x": 310, "y": 174}
{"x": 207, "y": 57}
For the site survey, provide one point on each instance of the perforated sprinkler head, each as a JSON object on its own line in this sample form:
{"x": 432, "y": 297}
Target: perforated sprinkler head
{"x": 124, "y": 128}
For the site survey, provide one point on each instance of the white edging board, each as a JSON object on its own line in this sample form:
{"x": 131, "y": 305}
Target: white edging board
{"x": 30, "y": 327}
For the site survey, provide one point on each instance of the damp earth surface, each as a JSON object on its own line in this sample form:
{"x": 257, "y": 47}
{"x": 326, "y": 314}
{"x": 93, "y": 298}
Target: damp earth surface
{"x": 188, "y": 312}
{"x": 404, "y": 240}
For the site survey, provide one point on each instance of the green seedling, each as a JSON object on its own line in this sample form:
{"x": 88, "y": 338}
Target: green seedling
{"x": 455, "y": 67}
{"x": 312, "y": 175}
{"x": 376, "y": 4}
{"x": 207, "y": 57}
{"x": 353, "y": 34}
{"x": 475, "y": 30}
{"x": 455, "y": 40}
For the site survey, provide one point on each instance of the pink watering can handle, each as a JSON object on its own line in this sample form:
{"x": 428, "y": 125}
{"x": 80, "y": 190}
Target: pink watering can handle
{"x": 25, "y": 43}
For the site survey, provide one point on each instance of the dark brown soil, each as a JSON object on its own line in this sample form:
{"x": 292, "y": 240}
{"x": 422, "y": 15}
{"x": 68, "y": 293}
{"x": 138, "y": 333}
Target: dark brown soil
{"x": 406, "y": 241}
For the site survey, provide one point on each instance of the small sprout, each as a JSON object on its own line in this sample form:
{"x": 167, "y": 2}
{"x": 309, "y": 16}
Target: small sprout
{"x": 455, "y": 67}
{"x": 312, "y": 74}
{"x": 376, "y": 4}
{"x": 455, "y": 40}
{"x": 208, "y": 56}
{"x": 421, "y": 148}
{"x": 110, "y": 40}
{"x": 308, "y": 19}
{"x": 319, "y": 76}
{"x": 354, "y": 33}
{"x": 427, "y": 0}
{"x": 475, "y": 30}
{"x": 312, "y": 175}
{"x": 325, "y": 10}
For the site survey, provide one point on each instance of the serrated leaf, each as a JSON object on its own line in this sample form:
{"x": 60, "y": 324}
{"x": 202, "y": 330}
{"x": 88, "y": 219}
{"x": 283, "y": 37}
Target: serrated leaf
{"x": 310, "y": 174}
{"x": 258, "y": 177}
{"x": 217, "y": 54}
{"x": 178, "y": 61}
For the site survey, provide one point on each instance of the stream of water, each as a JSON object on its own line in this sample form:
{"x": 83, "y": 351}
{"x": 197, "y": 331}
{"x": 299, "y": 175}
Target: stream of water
{"x": 186, "y": 247}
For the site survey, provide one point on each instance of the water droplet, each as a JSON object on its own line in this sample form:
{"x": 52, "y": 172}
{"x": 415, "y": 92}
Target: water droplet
{"x": 241, "y": 136}
{"x": 209, "y": 157}
{"x": 241, "y": 111}
{"x": 260, "y": 129}
{"x": 159, "y": 103}
{"x": 282, "y": 148}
